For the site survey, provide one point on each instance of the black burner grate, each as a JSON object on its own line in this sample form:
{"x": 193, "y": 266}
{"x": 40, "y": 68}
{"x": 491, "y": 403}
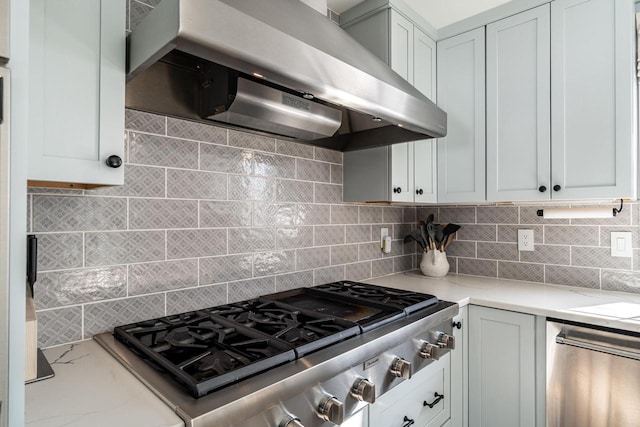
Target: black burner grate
{"x": 408, "y": 301}
{"x": 307, "y": 331}
{"x": 205, "y": 350}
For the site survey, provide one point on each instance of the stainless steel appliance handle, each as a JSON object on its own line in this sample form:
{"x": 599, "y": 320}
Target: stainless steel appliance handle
{"x": 562, "y": 339}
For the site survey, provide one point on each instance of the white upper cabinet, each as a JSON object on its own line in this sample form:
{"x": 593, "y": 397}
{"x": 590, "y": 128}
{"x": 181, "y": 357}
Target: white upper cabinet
{"x": 560, "y": 103}
{"x": 401, "y": 46}
{"x": 518, "y": 107}
{"x": 461, "y": 93}
{"x": 593, "y": 95}
{"x": 411, "y": 166}
{"x": 77, "y": 84}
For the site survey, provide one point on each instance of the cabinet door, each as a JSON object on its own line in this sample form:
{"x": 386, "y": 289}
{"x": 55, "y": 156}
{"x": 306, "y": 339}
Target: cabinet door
{"x": 401, "y": 46}
{"x": 77, "y": 83}
{"x": 501, "y": 368}
{"x": 402, "y": 172}
{"x": 461, "y": 93}
{"x": 425, "y": 155}
{"x": 425, "y": 172}
{"x": 406, "y": 402}
{"x": 424, "y": 64}
{"x": 460, "y": 371}
{"x": 592, "y": 87}
{"x": 518, "y": 107}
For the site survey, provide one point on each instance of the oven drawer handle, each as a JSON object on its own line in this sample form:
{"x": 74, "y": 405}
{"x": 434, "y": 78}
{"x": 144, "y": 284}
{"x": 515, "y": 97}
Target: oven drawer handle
{"x": 438, "y": 397}
{"x": 562, "y": 339}
{"x": 408, "y": 421}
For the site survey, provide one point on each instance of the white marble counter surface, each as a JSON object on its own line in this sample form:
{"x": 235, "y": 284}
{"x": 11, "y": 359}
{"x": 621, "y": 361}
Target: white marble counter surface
{"x": 613, "y": 309}
{"x": 91, "y": 388}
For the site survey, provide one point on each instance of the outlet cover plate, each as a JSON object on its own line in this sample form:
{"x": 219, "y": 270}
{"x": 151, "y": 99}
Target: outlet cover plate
{"x": 525, "y": 240}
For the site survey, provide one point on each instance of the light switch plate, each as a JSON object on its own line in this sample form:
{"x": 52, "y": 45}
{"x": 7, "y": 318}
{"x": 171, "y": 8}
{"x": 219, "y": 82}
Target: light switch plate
{"x": 621, "y": 244}
{"x": 525, "y": 240}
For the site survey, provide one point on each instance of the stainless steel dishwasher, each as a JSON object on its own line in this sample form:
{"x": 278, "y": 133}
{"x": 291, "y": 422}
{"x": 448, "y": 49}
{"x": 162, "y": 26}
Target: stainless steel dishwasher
{"x": 593, "y": 376}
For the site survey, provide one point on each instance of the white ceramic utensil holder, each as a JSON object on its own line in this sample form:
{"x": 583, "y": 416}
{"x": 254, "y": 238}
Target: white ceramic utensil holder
{"x": 434, "y": 263}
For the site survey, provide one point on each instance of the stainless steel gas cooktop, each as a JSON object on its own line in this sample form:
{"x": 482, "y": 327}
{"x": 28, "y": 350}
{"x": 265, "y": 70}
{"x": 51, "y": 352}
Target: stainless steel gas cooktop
{"x": 305, "y": 357}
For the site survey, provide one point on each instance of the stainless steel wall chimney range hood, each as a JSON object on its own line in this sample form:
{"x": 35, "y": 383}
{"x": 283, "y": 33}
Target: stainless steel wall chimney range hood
{"x": 274, "y": 67}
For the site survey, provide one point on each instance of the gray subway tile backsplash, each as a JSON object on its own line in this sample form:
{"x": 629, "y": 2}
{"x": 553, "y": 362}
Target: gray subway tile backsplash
{"x": 310, "y": 258}
{"x": 218, "y": 158}
{"x": 71, "y": 287}
{"x": 70, "y": 213}
{"x": 225, "y": 268}
{"x": 209, "y": 216}
{"x": 197, "y": 131}
{"x": 185, "y": 184}
{"x": 327, "y": 193}
{"x": 145, "y": 214}
{"x": 111, "y": 248}
{"x": 252, "y": 142}
{"x": 196, "y": 298}
{"x": 60, "y": 251}
{"x": 162, "y": 151}
{"x": 162, "y": 276}
{"x": 145, "y": 122}
{"x": 196, "y": 243}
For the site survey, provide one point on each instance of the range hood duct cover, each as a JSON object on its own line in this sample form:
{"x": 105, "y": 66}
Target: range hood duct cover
{"x": 286, "y": 52}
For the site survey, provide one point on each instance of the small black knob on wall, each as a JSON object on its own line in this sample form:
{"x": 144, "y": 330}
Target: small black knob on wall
{"x": 114, "y": 161}
{"x": 397, "y": 190}
{"x": 557, "y": 188}
{"x": 419, "y": 192}
{"x": 542, "y": 189}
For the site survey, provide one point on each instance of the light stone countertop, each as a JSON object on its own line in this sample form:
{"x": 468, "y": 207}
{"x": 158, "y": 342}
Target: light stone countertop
{"x": 604, "y": 308}
{"x": 92, "y": 389}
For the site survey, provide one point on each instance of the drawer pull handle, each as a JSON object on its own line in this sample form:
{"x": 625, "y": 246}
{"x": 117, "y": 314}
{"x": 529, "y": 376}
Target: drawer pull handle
{"x": 408, "y": 421}
{"x": 438, "y": 397}
{"x": 457, "y": 325}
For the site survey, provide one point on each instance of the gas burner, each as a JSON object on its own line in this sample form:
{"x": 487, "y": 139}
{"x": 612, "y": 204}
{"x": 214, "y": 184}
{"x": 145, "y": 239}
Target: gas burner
{"x": 307, "y": 331}
{"x": 406, "y": 300}
{"x": 203, "y": 352}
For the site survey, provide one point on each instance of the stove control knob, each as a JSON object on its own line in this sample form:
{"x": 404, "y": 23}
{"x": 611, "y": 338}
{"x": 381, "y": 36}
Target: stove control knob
{"x": 429, "y": 351}
{"x": 446, "y": 341}
{"x": 364, "y": 390}
{"x": 291, "y": 422}
{"x": 401, "y": 368}
{"x": 331, "y": 409}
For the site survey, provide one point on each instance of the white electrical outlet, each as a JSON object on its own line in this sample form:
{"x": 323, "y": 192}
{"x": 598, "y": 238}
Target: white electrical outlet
{"x": 383, "y": 233}
{"x": 525, "y": 240}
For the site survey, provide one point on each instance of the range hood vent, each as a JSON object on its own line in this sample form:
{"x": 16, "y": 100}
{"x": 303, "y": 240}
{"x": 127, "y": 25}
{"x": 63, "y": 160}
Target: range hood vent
{"x": 272, "y": 67}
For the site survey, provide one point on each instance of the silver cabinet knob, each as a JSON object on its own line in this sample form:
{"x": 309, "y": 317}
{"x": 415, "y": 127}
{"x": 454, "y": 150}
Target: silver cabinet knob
{"x": 291, "y": 422}
{"x": 364, "y": 390}
{"x": 429, "y": 351}
{"x": 331, "y": 409}
{"x": 401, "y": 368}
{"x": 446, "y": 341}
